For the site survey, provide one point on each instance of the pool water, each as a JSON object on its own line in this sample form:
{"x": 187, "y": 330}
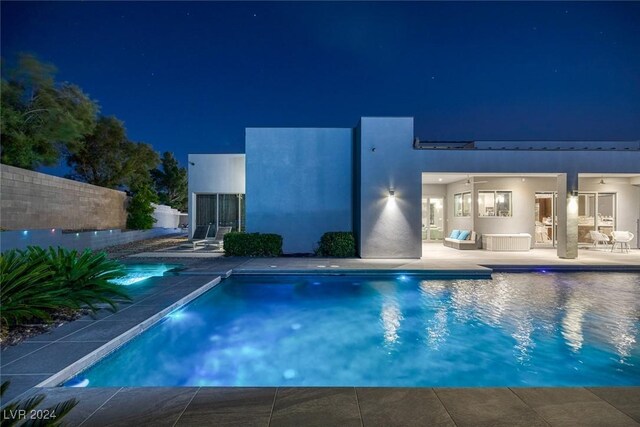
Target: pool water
{"x": 139, "y": 272}
{"x": 528, "y": 329}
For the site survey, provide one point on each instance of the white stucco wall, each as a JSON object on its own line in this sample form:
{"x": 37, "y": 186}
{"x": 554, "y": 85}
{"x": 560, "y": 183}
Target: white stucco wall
{"x": 214, "y": 173}
{"x": 165, "y": 216}
{"x": 388, "y": 228}
{"x": 299, "y": 183}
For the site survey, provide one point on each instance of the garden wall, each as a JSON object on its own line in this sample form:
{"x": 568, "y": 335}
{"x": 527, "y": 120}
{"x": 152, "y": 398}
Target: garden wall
{"x": 33, "y": 200}
{"x": 80, "y": 241}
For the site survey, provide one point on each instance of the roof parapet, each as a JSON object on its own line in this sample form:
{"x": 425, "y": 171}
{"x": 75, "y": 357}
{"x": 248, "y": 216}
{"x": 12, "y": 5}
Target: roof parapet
{"x": 528, "y": 145}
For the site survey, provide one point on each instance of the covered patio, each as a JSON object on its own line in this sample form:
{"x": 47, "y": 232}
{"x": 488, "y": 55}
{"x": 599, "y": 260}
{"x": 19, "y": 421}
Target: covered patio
{"x": 437, "y": 254}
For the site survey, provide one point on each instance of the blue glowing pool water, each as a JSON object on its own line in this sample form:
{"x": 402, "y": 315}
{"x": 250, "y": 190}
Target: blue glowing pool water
{"x": 533, "y": 329}
{"x": 139, "y": 272}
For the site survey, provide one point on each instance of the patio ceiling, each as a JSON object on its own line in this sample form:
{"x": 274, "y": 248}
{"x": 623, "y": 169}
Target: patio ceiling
{"x": 448, "y": 178}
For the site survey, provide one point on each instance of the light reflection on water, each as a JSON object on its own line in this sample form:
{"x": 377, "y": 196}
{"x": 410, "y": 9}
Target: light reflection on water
{"x": 525, "y": 308}
{"x": 515, "y": 330}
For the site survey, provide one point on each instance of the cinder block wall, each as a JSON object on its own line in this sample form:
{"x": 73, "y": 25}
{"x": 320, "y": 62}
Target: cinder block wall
{"x": 33, "y": 200}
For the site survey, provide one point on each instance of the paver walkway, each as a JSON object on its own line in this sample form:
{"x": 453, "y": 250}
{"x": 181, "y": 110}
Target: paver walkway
{"x": 326, "y": 406}
{"x": 39, "y": 357}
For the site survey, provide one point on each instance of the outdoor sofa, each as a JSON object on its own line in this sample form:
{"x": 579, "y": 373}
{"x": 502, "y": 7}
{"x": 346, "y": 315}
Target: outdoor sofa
{"x": 463, "y": 240}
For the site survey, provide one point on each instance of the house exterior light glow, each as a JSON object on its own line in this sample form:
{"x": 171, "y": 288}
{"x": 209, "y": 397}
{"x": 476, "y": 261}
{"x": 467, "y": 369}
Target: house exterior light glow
{"x": 303, "y": 182}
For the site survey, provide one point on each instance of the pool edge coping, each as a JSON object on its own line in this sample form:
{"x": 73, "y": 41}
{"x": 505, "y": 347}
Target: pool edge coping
{"x": 101, "y": 352}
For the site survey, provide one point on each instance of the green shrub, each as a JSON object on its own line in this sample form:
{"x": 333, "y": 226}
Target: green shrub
{"x": 37, "y": 282}
{"x": 252, "y": 244}
{"x": 140, "y": 210}
{"x": 340, "y": 244}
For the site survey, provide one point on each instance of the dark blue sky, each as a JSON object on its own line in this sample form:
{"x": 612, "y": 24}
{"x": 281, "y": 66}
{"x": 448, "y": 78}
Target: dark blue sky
{"x": 189, "y": 77}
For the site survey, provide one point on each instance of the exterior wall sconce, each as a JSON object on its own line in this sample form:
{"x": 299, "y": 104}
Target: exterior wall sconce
{"x": 392, "y": 194}
{"x": 572, "y": 206}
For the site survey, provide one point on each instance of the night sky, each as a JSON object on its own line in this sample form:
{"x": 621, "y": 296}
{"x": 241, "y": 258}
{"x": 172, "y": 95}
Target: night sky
{"x": 189, "y": 77}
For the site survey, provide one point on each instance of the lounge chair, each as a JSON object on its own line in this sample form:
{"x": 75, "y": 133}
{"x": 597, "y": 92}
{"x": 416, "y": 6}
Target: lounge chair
{"x": 621, "y": 238}
{"x": 200, "y": 236}
{"x": 598, "y": 238}
{"x": 218, "y": 239}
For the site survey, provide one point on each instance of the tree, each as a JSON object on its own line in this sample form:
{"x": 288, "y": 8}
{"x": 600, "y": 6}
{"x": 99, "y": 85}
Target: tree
{"x": 107, "y": 158}
{"x": 140, "y": 210}
{"x": 171, "y": 182}
{"x": 40, "y": 117}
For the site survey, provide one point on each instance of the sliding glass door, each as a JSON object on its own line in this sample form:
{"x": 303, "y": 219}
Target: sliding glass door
{"x": 220, "y": 210}
{"x": 206, "y": 209}
{"x": 545, "y": 219}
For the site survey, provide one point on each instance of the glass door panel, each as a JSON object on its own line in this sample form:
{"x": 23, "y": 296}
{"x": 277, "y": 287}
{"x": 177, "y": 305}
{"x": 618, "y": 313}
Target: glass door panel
{"x": 229, "y": 210}
{"x": 606, "y": 213}
{"x": 206, "y": 208}
{"x": 545, "y": 221}
{"x": 586, "y": 216}
{"x": 434, "y": 218}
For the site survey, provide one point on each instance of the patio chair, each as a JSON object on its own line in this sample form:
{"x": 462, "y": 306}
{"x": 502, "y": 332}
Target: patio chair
{"x": 621, "y": 238}
{"x": 598, "y": 238}
{"x": 218, "y": 239}
{"x": 199, "y": 236}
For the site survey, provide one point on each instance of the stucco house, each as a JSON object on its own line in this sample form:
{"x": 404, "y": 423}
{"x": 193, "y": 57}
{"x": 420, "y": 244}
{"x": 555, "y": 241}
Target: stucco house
{"x": 396, "y": 192}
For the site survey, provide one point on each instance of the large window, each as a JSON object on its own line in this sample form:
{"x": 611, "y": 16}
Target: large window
{"x": 220, "y": 210}
{"x": 494, "y": 203}
{"x": 462, "y": 204}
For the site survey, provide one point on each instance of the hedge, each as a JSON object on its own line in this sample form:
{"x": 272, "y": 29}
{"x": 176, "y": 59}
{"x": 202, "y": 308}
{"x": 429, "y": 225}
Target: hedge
{"x": 340, "y": 244}
{"x": 252, "y": 244}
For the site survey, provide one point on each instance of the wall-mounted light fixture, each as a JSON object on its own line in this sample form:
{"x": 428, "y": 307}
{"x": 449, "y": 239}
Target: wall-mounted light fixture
{"x": 572, "y": 206}
{"x": 392, "y": 193}
{"x": 192, "y": 164}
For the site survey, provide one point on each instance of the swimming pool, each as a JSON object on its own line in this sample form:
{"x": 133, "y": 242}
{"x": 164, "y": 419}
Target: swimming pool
{"x": 526, "y": 329}
{"x": 139, "y": 272}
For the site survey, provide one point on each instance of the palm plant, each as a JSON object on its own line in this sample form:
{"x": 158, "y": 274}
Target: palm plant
{"x": 28, "y": 289}
{"x": 86, "y": 277}
{"x": 36, "y": 282}
{"x": 10, "y": 412}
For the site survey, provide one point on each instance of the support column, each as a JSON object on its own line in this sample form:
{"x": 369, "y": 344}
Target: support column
{"x": 567, "y": 210}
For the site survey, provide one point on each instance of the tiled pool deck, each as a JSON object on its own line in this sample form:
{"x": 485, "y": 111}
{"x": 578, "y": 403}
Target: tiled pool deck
{"x": 38, "y": 358}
